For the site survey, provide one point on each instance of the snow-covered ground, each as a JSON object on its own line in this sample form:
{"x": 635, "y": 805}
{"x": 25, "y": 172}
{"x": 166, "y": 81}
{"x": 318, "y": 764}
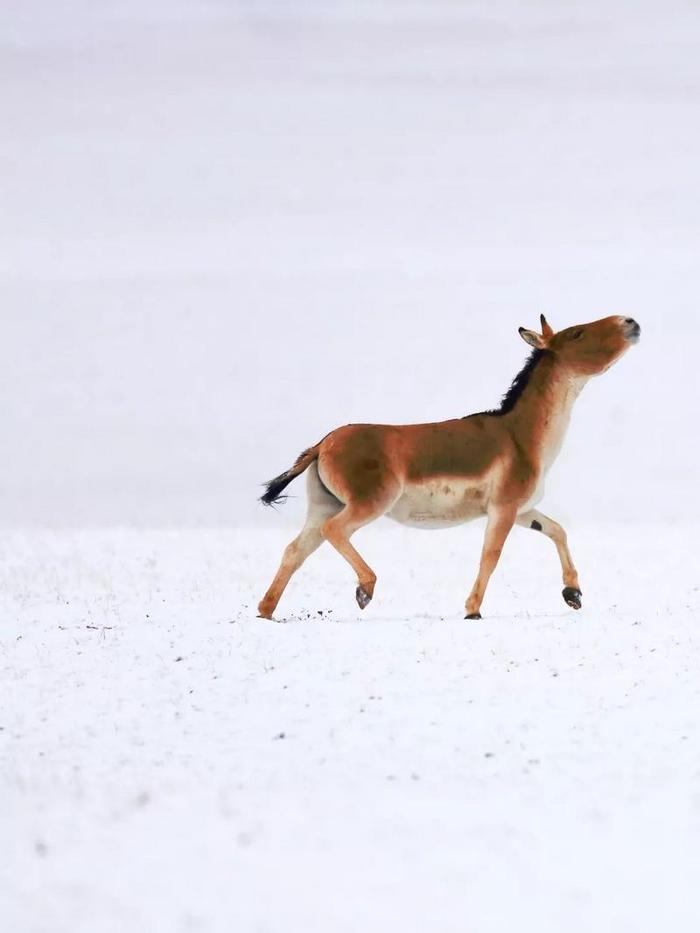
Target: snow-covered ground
{"x": 172, "y": 763}
{"x": 227, "y": 226}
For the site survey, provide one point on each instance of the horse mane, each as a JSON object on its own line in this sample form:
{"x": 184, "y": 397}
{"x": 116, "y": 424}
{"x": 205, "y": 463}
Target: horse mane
{"x": 517, "y": 386}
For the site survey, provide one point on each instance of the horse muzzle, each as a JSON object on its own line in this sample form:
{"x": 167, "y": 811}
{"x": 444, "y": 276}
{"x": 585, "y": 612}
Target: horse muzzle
{"x": 631, "y": 329}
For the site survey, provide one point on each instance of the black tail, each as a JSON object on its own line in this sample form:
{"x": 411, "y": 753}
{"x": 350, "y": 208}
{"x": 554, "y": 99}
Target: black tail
{"x": 273, "y": 489}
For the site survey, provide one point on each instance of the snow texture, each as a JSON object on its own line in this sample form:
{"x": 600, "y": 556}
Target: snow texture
{"x": 225, "y": 228}
{"x": 172, "y": 763}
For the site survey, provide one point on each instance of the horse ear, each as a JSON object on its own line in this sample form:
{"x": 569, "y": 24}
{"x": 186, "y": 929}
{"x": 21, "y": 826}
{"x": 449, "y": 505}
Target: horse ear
{"x": 547, "y": 331}
{"x": 533, "y": 338}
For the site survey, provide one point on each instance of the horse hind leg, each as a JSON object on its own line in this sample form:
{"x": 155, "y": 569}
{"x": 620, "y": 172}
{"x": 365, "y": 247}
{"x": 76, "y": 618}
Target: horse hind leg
{"x": 338, "y": 530}
{"x": 321, "y": 506}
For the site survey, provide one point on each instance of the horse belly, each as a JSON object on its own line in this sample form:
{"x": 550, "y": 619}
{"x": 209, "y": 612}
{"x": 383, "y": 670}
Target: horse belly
{"x": 439, "y": 503}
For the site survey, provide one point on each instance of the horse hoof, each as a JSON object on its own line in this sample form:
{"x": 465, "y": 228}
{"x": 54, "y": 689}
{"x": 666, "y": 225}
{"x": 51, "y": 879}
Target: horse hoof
{"x": 572, "y": 597}
{"x": 362, "y": 597}
{"x": 265, "y": 610}
{"x": 473, "y": 615}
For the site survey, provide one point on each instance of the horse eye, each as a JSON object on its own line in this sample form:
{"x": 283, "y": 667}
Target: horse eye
{"x": 577, "y": 335}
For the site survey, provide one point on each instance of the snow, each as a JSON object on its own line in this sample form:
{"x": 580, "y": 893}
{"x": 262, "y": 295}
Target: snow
{"x": 228, "y": 227}
{"x": 172, "y": 763}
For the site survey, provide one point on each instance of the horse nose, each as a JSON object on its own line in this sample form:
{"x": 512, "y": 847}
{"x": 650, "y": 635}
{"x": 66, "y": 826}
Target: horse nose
{"x": 632, "y": 329}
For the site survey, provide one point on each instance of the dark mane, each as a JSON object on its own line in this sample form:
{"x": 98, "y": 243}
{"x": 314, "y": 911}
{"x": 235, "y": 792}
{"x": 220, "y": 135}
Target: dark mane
{"x": 517, "y": 386}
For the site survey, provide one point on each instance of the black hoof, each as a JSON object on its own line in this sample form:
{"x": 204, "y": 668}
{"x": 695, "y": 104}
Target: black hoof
{"x": 362, "y": 596}
{"x": 572, "y": 597}
{"x": 473, "y": 615}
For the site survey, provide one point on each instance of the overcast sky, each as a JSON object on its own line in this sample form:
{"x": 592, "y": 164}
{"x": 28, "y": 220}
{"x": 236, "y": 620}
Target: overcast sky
{"x": 228, "y": 227}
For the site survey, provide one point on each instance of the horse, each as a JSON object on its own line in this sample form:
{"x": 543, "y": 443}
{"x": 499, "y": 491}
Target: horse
{"x": 492, "y": 463}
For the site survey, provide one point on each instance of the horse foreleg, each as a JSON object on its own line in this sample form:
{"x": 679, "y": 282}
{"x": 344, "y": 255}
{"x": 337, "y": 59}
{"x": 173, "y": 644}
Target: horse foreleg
{"x": 500, "y": 522}
{"x": 539, "y": 522}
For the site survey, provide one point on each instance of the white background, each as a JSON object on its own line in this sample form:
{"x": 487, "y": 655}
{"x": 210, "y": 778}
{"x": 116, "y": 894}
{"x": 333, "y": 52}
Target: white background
{"x": 230, "y": 227}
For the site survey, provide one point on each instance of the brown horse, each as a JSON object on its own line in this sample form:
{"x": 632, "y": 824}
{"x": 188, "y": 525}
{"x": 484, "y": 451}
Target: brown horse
{"x": 492, "y": 463}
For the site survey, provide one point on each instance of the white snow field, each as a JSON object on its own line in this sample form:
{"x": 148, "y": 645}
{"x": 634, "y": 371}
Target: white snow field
{"x": 171, "y": 763}
{"x": 225, "y": 228}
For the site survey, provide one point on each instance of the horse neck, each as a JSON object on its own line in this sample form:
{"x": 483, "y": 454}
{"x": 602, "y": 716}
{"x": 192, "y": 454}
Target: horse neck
{"x": 541, "y": 415}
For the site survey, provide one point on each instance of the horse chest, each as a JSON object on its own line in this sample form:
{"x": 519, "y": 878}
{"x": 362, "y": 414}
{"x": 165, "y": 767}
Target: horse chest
{"x": 537, "y": 496}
